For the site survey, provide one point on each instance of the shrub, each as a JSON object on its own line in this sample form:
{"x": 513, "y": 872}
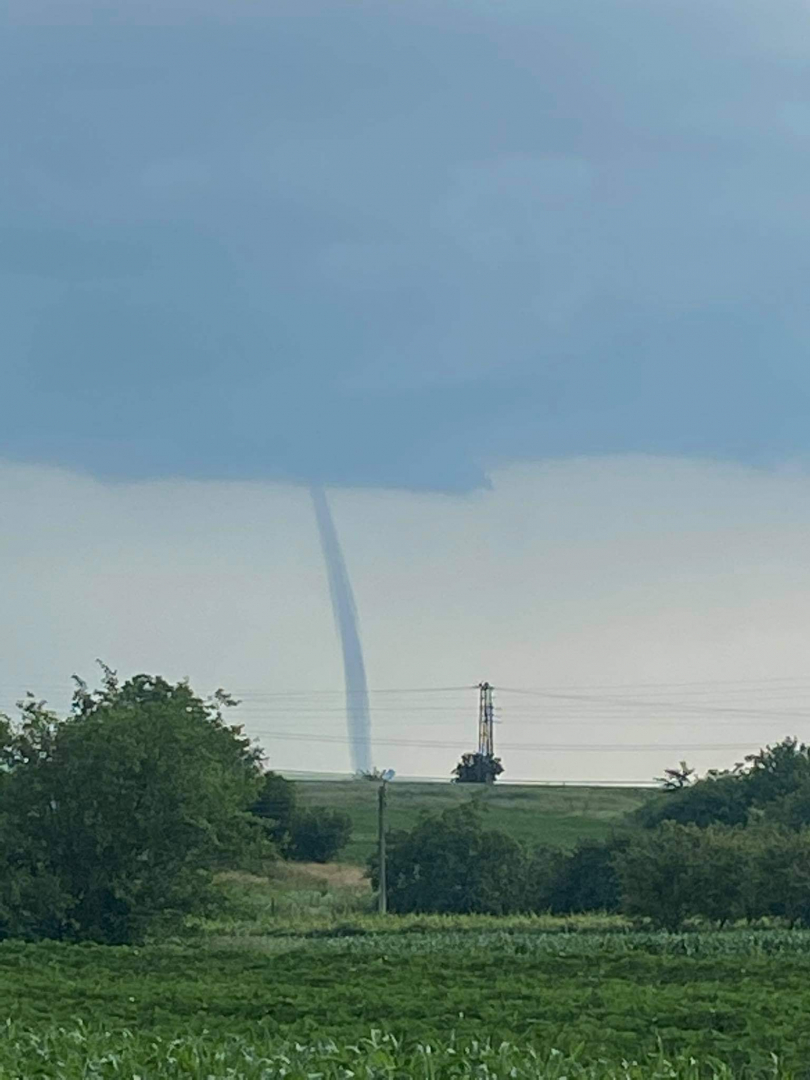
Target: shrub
{"x": 587, "y": 880}
{"x": 113, "y": 818}
{"x": 477, "y": 769}
{"x": 451, "y": 863}
{"x": 723, "y": 799}
{"x": 276, "y": 806}
{"x": 658, "y": 873}
{"x": 318, "y": 834}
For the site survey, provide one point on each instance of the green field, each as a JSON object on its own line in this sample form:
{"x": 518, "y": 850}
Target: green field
{"x": 492, "y": 998}
{"x": 532, "y": 814}
{"x": 298, "y": 978}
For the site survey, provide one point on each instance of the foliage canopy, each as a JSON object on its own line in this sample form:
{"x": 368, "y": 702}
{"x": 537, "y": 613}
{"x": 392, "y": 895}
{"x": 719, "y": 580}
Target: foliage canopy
{"x": 114, "y": 817}
{"x": 316, "y": 834}
{"x": 477, "y": 769}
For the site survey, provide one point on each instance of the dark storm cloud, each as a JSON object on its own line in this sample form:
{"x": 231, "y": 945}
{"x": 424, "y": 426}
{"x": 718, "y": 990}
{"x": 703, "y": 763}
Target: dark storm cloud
{"x": 393, "y": 244}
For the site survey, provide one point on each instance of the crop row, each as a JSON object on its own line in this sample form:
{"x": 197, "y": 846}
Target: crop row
{"x": 70, "y": 1053}
{"x": 533, "y": 943}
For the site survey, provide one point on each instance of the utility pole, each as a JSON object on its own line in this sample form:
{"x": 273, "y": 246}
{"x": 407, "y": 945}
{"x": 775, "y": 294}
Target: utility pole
{"x": 382, "y": 899}
{"x": 486, "y": 716}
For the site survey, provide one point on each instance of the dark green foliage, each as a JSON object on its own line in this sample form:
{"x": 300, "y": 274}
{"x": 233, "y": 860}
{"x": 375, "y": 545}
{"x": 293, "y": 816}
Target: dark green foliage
{"x": 543, "y": 870}
{"x": 768, "y": 782}
{"x": 276, "y": 806}
{"x": 277, "y": 799}
{"x": 313, "y": 834}
{"x": 571, "y": 883}
{"x": 777, "y": 771}
{"x": 793, "y": 809}
{"x": 676, "y": 872}
{"x": 781, "y": 868}
{"x": 477, "y": 769}
{"x": 318, "y": 834}
{"x": 723, "y": 799}
{"x": 114, "y": 817}
{"x": 451, "y": 863}
{"x": 660, "y": 872}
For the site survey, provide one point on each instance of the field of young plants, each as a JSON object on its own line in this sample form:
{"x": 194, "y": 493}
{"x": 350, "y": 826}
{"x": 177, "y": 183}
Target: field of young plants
{"x": 436, "y": 998}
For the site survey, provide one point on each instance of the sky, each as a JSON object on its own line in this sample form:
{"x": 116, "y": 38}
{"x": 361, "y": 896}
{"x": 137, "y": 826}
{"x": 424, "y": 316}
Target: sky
{"x": 494, "y": 274}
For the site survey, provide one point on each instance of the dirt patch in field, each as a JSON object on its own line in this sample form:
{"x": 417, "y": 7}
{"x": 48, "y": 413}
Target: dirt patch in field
{"x": 338, "y": 875}
{"x": 304, "y": 875}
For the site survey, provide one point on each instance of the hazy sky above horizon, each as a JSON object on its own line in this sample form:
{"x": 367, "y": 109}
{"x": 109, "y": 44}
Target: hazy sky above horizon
{"x": 523, "y": 283}
{"x": 629, "y": 610}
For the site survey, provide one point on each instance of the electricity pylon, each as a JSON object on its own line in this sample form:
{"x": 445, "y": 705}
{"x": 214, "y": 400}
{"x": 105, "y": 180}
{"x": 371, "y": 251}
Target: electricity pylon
{"x": 486, "y": 736}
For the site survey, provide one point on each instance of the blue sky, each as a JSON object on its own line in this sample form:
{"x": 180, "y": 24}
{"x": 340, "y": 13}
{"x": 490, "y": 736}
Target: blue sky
{"x": 401, "y": 244}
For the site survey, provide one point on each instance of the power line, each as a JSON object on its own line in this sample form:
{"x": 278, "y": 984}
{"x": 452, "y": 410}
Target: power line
{"x": 667, "y": 685}
{"x": 301, "y": 736}
{"x": 638, "y": 703}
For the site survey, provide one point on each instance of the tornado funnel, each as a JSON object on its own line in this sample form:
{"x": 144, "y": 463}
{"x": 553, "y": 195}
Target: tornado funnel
{"x": 345, "y": 612}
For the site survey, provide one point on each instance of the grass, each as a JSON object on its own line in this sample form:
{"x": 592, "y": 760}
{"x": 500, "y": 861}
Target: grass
{"x": 310, "y": 900}
{"x": 291, "y": 896}
{"x": 532, "y": 814}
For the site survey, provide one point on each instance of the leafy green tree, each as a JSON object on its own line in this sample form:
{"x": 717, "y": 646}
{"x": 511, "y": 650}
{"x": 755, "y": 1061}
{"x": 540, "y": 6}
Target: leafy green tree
{"x": 543, "y": 869}
{"x": 721, "y": 799}
{"x": 720, "y": 873}
{"x": 657, "y": 873}
{"x": 781, "y": 862}
{"x": 768, "y": 782}
{"x": 120, "y": 811}
{"x": 477, "y": 769}
{"x": 777, "y": 771}
{"x": 791, "y": 810}
{"x": 678, "y": 871}
{"x": 318, "y": 834}
{"x": 276, "y": 806}
{"x": 451, "y": 863}
{"x": 586, "y": 879}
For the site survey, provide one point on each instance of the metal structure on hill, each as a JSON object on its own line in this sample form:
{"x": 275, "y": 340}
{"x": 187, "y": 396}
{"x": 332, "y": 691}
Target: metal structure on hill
{"x": 481, "y": 767}
{"x": 486, "y": 721}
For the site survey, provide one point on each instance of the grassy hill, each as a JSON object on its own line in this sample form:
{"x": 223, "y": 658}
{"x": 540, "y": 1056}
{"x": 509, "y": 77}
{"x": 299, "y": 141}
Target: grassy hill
{"x": 553, "y": 815}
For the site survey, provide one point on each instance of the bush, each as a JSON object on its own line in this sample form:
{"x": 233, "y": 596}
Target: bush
{"x": 314, "y": 835}
{"x": 113, "y": 818}
{"x": 543, "y": 870}
{"x": 276, "y": 806}
{"x": 774, "y": 784}
{"x": 451, "y": 863}
{"x": 660, "y": 874}
{"x": 319, "y": 834}
{"x": 477, "y": 769}
{"x": 569, "y": 883}
{"x": 724, "y": 800}
{"x": 781, "y": 872}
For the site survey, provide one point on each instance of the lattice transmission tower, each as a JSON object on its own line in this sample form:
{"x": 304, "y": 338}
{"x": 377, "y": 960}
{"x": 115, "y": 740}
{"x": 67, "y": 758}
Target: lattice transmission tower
{"x": 486, "y": 721}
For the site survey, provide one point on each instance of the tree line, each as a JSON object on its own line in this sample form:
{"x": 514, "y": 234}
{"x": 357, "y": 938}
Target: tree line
{"x": 733, "y": 845}
{"x": 115, "y": 819}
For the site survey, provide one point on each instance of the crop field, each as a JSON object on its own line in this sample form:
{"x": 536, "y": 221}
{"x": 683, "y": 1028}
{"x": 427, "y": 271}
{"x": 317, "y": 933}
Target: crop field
{"x": 332, "y": 994}
{"x": 83, "y": 1052}
{"x": 532, "y": 814}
